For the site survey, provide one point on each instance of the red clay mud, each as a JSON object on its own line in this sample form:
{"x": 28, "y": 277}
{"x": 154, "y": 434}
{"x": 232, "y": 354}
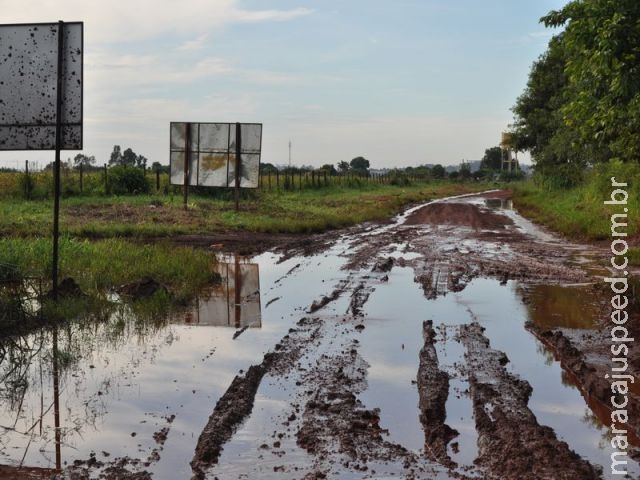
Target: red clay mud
{"x": 505, "y": 424}
{"x": 433, "y": 388}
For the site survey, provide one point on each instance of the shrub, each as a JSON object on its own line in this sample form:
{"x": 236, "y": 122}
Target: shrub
{"x": 124, "y": 179}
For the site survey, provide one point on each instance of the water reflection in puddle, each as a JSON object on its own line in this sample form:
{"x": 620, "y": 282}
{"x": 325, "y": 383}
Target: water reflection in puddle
{"x": 558, "y": 306}
{"x": 499, "y": 203}
{"x": 122, "y": 380}
{"x": 235, "y": 302}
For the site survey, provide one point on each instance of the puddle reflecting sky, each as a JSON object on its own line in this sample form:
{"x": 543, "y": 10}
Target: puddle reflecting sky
{"x": 121, "y": 380}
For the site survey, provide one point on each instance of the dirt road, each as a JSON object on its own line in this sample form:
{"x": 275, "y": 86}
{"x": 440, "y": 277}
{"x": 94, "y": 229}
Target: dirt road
{"x": 329, "y": 431}
{"x": 456, "y": 341}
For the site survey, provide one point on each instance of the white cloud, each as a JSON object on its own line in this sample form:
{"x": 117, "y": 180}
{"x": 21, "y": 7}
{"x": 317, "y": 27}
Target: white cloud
{"x": 120, "y": 21}
{"x": 195, "y": 44}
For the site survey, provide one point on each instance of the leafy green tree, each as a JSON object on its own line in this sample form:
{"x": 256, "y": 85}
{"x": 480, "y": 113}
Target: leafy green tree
{"x": 539, "y": 125}
{"x": 360, "y": 165}
{"x": 492, "y": 159}
{"x": 126, "y": 179}
{"x": 343, "y": 166}
{"x": 129, "y": 158}
{"x": 83, "y": 160}
{"x": 330, "y": 169}
{"x": 438, "y": 171}
{"x": 158, "y": 167}
{"x": 116, "y": 156}
{"x": 141, "y": 161}
{"x": 268, "y": 168}
{"x": 602, "y": 108}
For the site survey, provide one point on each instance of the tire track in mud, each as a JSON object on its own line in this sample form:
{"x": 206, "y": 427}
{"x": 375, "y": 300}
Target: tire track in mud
{"x": 433, "y": 390}
{"x": 331, "y": 423}
{"x": 342, "y": 434}
{"x": 505, "y": 424}
{"x": 237, "y": 402}
{"x": 588, "y": 368}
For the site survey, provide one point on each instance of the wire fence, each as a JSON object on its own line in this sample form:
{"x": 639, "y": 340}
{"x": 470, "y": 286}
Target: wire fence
{"x": 101, "y": 181}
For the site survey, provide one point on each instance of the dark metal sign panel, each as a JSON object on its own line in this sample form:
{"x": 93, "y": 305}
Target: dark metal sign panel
{"x": 212, "y": 159}
{"x": 28, "y": 86}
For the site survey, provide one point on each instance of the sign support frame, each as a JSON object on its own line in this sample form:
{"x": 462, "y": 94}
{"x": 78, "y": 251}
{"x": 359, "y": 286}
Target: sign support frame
{"x": 56, "y": 168}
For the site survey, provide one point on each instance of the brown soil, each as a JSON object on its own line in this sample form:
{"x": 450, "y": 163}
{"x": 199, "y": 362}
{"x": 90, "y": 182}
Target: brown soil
{"x": 433, "y": 389}
{"x": 446, "y": 213}
{"x": 528, "y": 451}
{"x": 457, "y": 241}
{"x": 25, "y": 473}
{"x": 585, "y": 355}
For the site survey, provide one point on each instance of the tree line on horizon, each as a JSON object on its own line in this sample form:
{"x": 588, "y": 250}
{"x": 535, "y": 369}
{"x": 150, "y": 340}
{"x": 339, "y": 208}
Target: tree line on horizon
{"x": 581, "y": 105}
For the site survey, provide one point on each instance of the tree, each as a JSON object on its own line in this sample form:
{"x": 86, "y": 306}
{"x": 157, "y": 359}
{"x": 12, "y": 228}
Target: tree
{"x": 602, "y": 107}
{"x": 126, "y": 179}
{"x": 158, "y": 167}
{"x": 539, "y": 123}
{"x": 330, "y": 169}
{"x": 360, "y": 165}
{"x": 268, "y": 168}
{"x": 116, "y": 156}
{"x": 129, "y": 158}
{"x": 141, "y": 161}
{"x": 438, "y": 171}
{"x": 81, "y": 160}
{"x": 343, "y": 166}
{"x": 492, "y": 159}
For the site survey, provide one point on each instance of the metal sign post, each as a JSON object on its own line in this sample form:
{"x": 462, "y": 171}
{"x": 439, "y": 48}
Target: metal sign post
{"x": 238, "y": 164}
{"x": 187, "y": 161}
{"x": 33, "y": 58}
{"x": 56, "y": 167}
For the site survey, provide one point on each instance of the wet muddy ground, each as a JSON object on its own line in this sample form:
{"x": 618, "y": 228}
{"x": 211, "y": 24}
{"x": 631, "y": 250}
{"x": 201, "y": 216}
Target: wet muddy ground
{"x": 457, "y": 341}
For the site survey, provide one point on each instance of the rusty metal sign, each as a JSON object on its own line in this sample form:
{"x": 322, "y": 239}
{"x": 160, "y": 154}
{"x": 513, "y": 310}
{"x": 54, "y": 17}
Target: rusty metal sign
{"x": 210, "y": 151}
{"x": 29, "y": 75}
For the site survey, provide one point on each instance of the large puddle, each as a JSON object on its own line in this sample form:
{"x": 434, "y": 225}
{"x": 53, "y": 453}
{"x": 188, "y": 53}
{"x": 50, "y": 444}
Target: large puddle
{"x": 143, "y": 388}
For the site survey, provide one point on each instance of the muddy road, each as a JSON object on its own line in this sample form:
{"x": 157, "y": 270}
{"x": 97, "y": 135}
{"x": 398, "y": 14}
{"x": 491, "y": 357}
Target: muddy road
{"x": 457, "y": 341}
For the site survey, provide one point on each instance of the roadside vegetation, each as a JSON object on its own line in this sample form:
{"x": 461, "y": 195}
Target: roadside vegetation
{"x": 162, "y": 215}
{"x": 98, "y": 266}
{"x": 111, "y": 239}
{"x": 579, "y": 212}
{"x": 579, "y": 117}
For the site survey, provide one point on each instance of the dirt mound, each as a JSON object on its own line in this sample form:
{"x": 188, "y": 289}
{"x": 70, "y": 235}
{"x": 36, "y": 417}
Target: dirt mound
{"x": 464, "y": 214}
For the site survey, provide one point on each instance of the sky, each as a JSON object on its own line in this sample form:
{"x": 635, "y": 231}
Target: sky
{"x": 399, "y": 82}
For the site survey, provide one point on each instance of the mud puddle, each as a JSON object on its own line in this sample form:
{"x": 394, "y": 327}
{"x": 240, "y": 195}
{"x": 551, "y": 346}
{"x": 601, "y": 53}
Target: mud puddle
{"x": 372, "y": 355}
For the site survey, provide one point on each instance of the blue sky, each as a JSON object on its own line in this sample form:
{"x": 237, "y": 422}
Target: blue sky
{"x": 401, "y": 82}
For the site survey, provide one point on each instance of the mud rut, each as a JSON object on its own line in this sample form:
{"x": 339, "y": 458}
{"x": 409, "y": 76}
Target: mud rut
{"x": 303, "y": 412}
{"x": 325, "y": 431}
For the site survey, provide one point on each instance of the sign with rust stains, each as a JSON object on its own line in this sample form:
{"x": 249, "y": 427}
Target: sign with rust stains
{"x": 212, "y": 154}
{"x": 28, "y": 86}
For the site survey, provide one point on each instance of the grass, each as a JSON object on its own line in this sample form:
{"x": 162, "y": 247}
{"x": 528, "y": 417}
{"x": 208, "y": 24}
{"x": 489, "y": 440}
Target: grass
{"x": 111, "y": 240}
{"x": 580, "y": 213}
{"x": 153, "y": 216}
{"x": 99, "y": 265}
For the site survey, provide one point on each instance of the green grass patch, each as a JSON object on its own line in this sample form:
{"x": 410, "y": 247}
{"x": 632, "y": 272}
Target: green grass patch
{"x": 145, "y": 216}
{"x": 579, "y": 213}
{"x": 104, "y": 238}
{"x": 100, "y": 265}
